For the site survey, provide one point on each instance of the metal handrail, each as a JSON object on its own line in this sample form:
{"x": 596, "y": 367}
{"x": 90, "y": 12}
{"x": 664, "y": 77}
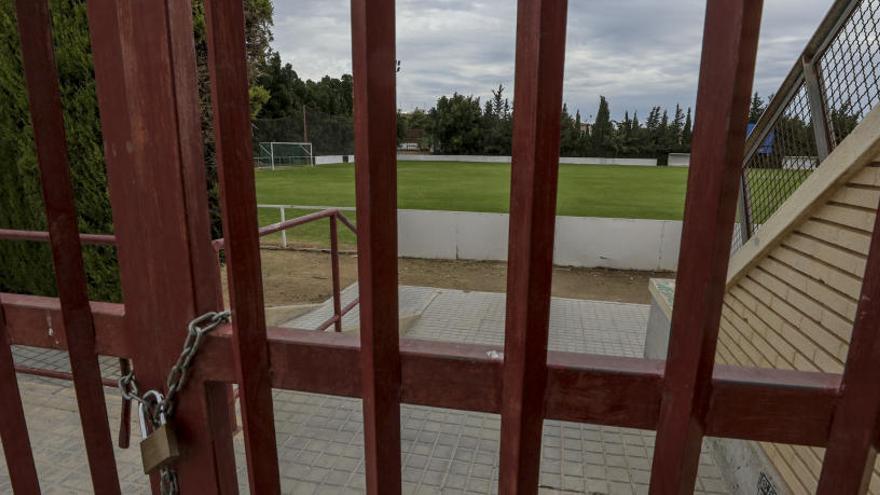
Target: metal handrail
{"x": 41, "y": 236}
{"x": 335, "y": 215}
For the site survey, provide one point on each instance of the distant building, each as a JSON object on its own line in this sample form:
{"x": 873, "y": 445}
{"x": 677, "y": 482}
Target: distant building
{"x": 586, "y": 128}
{"x": 408, "y": 146}
{"x": 415, "y": 141}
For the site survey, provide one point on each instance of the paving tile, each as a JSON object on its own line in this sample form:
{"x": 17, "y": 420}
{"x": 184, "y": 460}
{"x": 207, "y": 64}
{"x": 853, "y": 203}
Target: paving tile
{"x": 320, "y": 438}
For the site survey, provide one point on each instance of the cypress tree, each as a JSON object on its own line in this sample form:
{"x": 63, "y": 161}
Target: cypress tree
{"x": 687, "y": 134}
{"x": 602, "y": 128}
{"x": 756, "y": 109}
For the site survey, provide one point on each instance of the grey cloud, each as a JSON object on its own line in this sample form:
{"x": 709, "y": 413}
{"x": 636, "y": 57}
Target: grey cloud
{"x": 638, "y": 53}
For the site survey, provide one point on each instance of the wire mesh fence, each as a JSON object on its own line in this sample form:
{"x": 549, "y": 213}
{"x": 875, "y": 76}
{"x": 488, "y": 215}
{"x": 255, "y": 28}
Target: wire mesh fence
{"x": 813, "y": 112}
{"x": 782, "y": 161}
{"x": 850, "y": 68}
{"x": 282, "y": 154}
{"x": 326, "y": 134}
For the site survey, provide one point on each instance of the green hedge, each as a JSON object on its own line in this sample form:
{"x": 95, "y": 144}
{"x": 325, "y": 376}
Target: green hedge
{"x": 26, "y": 267}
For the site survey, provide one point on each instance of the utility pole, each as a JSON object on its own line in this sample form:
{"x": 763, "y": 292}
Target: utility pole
{"x": 305, "y": 125}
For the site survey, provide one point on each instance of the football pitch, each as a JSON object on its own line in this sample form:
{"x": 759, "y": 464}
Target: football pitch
{"x": 584, "y": 190}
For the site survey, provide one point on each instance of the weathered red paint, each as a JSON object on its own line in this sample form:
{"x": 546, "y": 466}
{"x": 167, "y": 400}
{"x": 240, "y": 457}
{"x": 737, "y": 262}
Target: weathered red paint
{"x": 149, "y": 113}
{"x": 13, "y": 427}
{"x": 34, "y": 24}
{"x": 375, "y": 116}
{"x": 36, "y": 321}
{"x": 232, "y": 128}
{"x": 140, "y": 90}
{"x": 540, "y": 59}
{"x": 849, "y": 459}
{"x": 730, "y": 43}
{"x": 183, "y": 54}
{"x": 761, "y": 404}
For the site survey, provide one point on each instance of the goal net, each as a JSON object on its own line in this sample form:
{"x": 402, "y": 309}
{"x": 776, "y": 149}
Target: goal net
{"x": 283, "y": 154}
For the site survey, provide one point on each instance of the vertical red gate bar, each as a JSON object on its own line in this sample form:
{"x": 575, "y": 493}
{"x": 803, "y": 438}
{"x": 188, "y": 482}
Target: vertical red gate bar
{"x": 730, "y": 42}
{"x": 141, "y": 90}
{"x": 232, "y": 129}
{"x": 206, "y": 275}
{"x": 13, "y": 427}
{"x": 34, "y": 24}
{"x": 334, "y": 273}
{"x": 183, "y": 54}
{"x": 540, "y": 60}
{"x": 375, "y": 122}
{"x": 852, "y": 443}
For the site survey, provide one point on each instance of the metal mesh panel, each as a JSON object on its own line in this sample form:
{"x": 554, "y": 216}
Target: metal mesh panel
{"x": 785, "y": 157}
{"x": 848, "y": 63}
{"x": 329, "y": 134}
{"x": 850, "y": 70}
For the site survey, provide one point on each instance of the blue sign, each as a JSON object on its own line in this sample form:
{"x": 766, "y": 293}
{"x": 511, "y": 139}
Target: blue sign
{"x": 766, "y": 147}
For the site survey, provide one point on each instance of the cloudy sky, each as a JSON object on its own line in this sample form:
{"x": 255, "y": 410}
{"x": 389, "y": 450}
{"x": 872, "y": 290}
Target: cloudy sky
{"x": 637, "y": 53}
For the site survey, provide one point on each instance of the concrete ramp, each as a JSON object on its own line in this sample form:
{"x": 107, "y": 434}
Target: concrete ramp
{"x": 412, "y": 302}
{"x": 450, "y": 315}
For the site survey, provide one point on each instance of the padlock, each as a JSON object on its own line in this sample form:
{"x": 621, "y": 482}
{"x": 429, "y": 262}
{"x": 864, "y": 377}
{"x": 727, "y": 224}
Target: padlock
{"x": 159, "y": 448}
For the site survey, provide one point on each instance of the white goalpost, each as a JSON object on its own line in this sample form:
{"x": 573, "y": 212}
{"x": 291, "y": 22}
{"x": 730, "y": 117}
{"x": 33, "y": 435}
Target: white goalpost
{"x": 283, "y": 154}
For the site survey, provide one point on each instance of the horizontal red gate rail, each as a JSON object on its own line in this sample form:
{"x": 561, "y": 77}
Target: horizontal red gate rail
{"x": 754, "y": 404}
{"x": 41, "y": 236}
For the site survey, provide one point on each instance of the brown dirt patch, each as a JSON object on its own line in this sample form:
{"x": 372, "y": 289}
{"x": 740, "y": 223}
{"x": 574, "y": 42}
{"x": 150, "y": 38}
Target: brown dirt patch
{"x": 298, "y": 277}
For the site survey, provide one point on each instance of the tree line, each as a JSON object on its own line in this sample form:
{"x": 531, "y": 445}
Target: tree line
{"x": 461, "y": 125}
{"x": 298, "y": 110}
{"x": 456, "y": 124}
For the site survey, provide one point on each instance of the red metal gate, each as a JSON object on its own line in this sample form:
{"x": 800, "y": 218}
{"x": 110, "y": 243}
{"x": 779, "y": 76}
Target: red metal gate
{"x": 145, "y": 68}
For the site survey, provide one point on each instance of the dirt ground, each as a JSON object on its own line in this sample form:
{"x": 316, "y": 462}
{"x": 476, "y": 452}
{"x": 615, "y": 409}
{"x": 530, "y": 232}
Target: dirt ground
{"x": 297, "y": 277}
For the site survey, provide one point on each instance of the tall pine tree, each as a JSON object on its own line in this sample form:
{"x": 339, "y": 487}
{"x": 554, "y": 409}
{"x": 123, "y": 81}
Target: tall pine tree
{"x": 602, "y": 129}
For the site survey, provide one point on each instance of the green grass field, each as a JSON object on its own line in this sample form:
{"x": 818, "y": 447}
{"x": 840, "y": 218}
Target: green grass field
{"x": 584, "y": 190}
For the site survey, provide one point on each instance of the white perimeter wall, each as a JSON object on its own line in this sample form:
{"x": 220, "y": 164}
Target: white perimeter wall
{"x": 580, "y": 241}
{"x": 679, "y": 160}
{"x": 331, "y": 159}
{"x": 643, "y": 162}
{"x": 404, "y": 157}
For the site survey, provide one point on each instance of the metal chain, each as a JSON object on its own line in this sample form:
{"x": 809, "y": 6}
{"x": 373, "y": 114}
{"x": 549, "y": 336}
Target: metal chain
{"x": 157, "y": 409}
{"x": 168, "y": 481}
{"x": 196, "y": 330}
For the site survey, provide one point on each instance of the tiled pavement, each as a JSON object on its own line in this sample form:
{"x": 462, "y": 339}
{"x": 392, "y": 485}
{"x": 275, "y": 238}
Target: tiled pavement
{"x": 320, "y": 438}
